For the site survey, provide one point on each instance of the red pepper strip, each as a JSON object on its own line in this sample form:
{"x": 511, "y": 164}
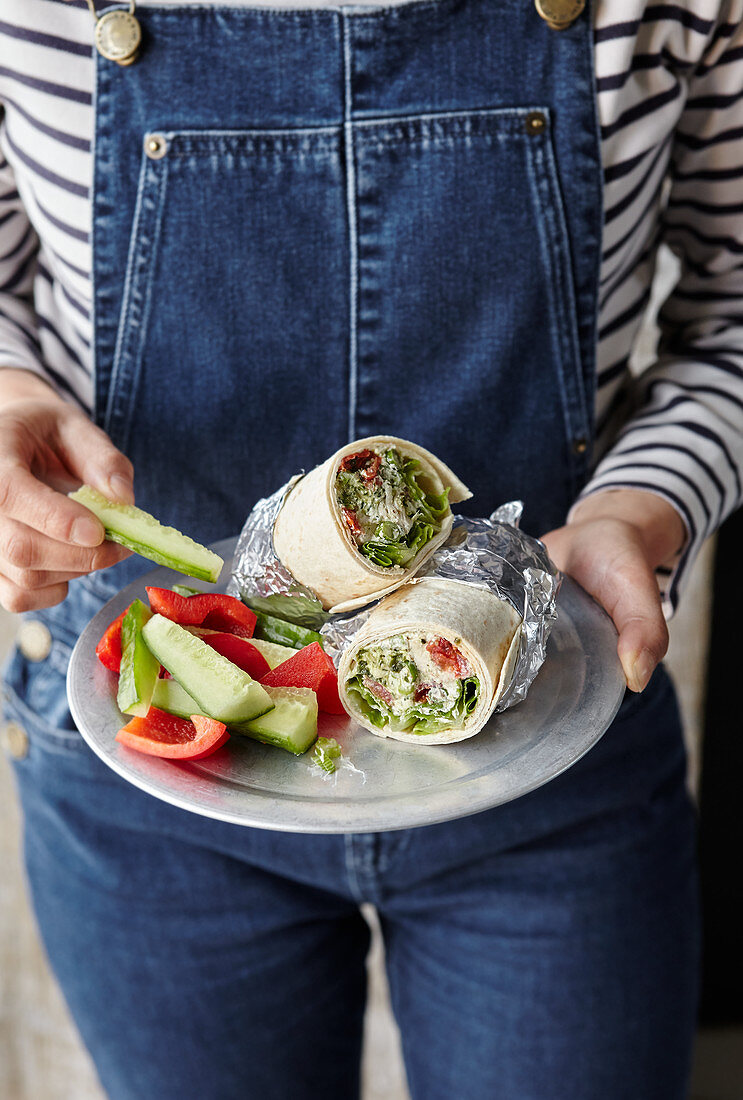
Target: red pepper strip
{"x": 108, "y": 650}
{"x": 240, "y": 652}
{"x": 310, "y": 667}
{"x": 162, "y": 734}
{"x": 212, "y": 609}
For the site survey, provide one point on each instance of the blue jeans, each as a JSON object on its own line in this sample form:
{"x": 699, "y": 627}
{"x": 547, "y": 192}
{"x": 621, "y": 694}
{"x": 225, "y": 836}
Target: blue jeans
{"x": 546, "y": 949}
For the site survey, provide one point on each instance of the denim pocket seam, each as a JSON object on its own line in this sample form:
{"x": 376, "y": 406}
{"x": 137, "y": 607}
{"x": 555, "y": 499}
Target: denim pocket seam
{"x": 135, "y": 310}
{"x": 40, "y": 733}
{"x": 553, "y": 232}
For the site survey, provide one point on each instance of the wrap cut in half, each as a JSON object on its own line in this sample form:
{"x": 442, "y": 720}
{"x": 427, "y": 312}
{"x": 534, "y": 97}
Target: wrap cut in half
{"x": 362, "y": 523}
{"x": 431, "y": 662}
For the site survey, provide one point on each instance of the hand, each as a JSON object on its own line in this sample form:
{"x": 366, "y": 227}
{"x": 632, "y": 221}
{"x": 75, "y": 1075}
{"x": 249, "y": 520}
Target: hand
{"x": 611, "y": 546}
{"x": 48, "y": 447}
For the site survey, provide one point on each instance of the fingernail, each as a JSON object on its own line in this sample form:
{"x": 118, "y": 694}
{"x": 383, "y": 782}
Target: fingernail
{"x": 86, "y": 532}
{"x": 121, "y": 489}
{"x": 641, "y": 670}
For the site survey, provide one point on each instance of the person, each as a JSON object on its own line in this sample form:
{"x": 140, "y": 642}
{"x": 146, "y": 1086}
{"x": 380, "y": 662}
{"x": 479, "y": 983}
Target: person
{"x": 282, "y": 228}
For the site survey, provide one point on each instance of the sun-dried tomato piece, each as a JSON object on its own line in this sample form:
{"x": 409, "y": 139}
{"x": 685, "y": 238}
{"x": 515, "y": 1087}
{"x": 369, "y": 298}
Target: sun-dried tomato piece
{"x": 370, "y": 471}
{"x": 354, "y": 462}
{"x": 366, "y": 463}
{"x": 351, "y": 522}
{"x": 447, "y": 657}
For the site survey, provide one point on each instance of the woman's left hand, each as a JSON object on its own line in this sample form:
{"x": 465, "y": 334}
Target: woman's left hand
{"x": 611, "y": 546}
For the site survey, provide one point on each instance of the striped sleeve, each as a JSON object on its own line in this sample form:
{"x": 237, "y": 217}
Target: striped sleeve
{"x": 685, "y": 438}
{"x": 19, "y": 341}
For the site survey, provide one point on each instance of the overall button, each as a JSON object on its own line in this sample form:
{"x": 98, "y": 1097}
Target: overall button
{"x": 34, "y": 640}
{"x": 536, "y": 122}
{"x": 559, "y": 14}
{"x": 155, "y": 146}
{"x": 580, "y": 445}
{"x": 14, "y": 740}
{"x": 118, "y": 35}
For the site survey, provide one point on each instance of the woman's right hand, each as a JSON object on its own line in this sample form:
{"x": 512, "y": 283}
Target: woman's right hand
{"x": 48, "y": 447}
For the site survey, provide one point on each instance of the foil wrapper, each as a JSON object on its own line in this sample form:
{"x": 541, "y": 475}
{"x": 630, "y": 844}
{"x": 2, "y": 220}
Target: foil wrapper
{"x": 259, "y": 578}
{"x": 491, "y": 553}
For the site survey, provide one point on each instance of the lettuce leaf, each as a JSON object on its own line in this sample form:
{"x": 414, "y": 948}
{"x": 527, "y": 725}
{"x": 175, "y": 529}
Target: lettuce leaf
{"x": 384, "y": 549}
{"x": 419, "y": 718}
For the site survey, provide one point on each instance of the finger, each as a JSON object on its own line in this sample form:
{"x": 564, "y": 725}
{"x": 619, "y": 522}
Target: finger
{"x": 27, "y": 500}
{"x": 17, "y": 600}
{"x": 23, "y": 549}
{"x": 31, "y": 580}
{"x": 638, "y": 616}
{"x": 90, "y": 455}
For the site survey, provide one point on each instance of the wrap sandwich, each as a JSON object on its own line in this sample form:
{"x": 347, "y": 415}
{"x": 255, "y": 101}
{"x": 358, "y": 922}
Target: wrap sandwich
{"x": 362, "y": 523}
{"x": 431, "y": 662}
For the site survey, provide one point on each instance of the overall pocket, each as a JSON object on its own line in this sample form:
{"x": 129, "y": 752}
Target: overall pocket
{"x": 230, "y": 369}
{"x": 34, "y": 699}
{"x": 467, "y": 325}
{"x": 35, "y": 692}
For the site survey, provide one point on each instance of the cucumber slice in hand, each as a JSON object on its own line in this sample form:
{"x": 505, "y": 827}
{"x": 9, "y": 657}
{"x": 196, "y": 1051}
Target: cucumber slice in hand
{"x": 142, "y": 533}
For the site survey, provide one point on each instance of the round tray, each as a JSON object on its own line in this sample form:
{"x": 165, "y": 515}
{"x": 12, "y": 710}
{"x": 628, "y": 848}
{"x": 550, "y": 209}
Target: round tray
{"x": 382, "y": 784}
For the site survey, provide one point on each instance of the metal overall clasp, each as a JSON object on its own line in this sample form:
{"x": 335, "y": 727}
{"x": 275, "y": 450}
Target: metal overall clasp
{"x": 117, "y": 34}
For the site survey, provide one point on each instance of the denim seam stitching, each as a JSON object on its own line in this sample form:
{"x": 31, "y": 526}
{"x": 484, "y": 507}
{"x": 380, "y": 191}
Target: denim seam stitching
{"x": 136, "y": 297}
{"x": 513, "y": 115}
{"x": 353, "y": 879}
{"x": 353, "y": 244}
{"x": 543, "y": 184}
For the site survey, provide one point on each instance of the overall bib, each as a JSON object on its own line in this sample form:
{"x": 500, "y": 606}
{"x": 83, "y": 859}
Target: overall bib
{"x": 311, "y": 226}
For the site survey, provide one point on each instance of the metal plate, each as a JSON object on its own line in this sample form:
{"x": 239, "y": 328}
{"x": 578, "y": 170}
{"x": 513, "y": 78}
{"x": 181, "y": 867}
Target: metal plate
{"x": 384, "y": 784}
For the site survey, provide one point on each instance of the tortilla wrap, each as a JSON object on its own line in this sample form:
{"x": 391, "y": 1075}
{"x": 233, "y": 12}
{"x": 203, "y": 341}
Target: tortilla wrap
{"x": 313, "y": 542}
{"x": 485, "y": 629}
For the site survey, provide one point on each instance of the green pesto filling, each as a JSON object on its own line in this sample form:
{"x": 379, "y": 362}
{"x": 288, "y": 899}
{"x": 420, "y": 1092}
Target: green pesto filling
{"x": 395, "y": 513}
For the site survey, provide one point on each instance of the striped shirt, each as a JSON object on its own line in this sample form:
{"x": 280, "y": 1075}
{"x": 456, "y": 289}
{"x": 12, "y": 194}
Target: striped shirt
{"x": 670, "y": 97}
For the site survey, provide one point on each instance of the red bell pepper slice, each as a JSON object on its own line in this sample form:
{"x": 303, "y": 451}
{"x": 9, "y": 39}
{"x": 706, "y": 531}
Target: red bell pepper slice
{"x": 210, "y": 609}
{"x": 162, "y": 734}
{"x": 310, "y": 667}
{"x": 108, "y": 650}
{"x": 241, "y": 652}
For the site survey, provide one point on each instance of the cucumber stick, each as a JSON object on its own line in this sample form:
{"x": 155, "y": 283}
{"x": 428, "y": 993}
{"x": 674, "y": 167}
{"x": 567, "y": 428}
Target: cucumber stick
{"x": 141, "y": 532}
{"x": 221, "y": 689}
{"x": 274, "y": 654}
{"x": 284, "y": 633}
{"x": 291, "y": 725}
{"x": 170, "y": 696}
{"x": 139, "y": 669}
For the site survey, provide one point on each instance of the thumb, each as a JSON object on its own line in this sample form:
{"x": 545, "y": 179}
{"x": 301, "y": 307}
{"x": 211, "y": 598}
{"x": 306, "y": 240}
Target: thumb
{"x": 91, "y": 457}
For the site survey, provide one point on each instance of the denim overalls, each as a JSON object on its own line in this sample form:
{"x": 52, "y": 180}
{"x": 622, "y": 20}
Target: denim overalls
{"x": 311, "y": 226}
